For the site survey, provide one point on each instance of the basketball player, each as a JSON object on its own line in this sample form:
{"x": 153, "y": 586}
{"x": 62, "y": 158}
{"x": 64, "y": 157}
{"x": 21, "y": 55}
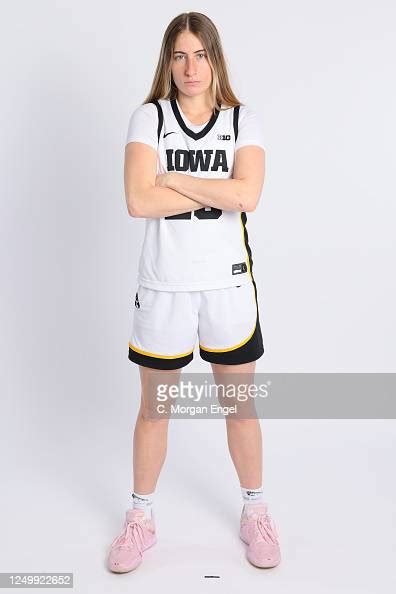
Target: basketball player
{"x": 194, "y": 165}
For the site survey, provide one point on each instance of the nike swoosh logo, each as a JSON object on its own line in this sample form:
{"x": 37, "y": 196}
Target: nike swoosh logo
{"x": 167, "y": 134}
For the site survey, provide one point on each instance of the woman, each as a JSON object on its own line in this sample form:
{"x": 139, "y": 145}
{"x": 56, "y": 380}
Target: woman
{"x": 195, "y": 270}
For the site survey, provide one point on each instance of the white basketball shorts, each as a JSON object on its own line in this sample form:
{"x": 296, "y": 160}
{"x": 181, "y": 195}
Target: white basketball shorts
{"x": 166, "y": 325}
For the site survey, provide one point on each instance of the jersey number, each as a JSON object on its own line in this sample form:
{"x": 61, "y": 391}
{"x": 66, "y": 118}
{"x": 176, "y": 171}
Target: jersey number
{"x": 202, "y": 213}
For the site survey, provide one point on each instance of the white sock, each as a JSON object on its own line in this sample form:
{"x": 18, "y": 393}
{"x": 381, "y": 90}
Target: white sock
{"x": 144, "y": 502}
{"x": 252, "y": 495}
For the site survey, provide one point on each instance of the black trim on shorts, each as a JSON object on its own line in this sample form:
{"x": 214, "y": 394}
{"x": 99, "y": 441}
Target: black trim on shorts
{"x": 252, "y": 350}
{"x": 157, "y": 362}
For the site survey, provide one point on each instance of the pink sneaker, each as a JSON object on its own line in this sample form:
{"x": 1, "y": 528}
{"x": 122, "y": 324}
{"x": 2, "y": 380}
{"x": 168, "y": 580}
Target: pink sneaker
{"x": 259, "y": 532}
{"x": 126, "y": 550}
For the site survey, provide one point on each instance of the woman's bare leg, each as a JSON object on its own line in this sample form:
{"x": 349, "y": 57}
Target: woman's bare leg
{"x": 244, "y": 436}
{"x": 149, "y": 439}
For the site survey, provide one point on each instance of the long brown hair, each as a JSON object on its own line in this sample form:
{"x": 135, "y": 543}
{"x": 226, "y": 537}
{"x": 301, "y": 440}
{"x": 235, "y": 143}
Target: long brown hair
{"x": 163, "y": 86}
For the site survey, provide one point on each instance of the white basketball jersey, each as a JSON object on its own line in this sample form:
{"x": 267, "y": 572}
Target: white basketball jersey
{"x": 207, "y": 248}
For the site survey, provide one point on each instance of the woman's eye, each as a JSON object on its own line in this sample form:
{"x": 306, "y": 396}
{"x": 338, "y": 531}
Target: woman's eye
{"x": 201, "y": 55}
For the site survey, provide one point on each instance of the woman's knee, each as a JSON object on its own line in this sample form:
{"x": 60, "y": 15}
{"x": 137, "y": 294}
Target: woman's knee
{"x": 151, "y": 408}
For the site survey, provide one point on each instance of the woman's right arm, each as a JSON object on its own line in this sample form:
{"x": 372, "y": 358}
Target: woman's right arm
{"x": 144, "y": 199}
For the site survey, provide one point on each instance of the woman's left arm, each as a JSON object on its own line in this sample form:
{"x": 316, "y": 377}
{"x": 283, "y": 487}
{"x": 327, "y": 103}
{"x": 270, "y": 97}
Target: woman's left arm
{"x": 239, "y": 193}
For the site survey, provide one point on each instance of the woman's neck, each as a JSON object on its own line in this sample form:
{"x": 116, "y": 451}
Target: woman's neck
{"x": 197, "y": 109}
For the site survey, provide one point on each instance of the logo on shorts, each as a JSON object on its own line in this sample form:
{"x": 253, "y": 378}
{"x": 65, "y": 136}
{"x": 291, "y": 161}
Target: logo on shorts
{"x": 239, "y": 268}
{"x": 137, "y": 304}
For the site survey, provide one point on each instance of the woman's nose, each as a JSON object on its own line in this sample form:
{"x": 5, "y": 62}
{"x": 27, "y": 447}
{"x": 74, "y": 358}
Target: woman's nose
{"x": 190, "y": 67}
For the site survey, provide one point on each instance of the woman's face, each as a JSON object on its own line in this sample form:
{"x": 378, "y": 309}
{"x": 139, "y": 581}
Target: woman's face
{"x": 190, "y": 63}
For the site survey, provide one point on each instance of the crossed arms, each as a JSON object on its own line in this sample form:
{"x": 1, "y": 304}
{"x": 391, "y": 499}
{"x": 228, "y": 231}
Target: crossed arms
{"x": 149, "y": 195}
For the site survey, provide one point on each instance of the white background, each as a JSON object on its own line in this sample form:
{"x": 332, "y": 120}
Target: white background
{"x": 320, "y": 75}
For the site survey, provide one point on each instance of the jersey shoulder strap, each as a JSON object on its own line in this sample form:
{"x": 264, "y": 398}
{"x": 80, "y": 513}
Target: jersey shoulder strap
{"x": 236, "y": 120}
{"x": 160, "y": 117}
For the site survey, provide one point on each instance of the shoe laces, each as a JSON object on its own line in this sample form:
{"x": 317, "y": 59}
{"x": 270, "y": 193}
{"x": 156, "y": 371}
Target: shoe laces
{"x": 132, "y": 536}
{"x": 266, "y": 528}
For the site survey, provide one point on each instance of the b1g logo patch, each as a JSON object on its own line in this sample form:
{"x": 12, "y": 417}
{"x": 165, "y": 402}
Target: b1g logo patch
{"x": 223, "y": 137}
